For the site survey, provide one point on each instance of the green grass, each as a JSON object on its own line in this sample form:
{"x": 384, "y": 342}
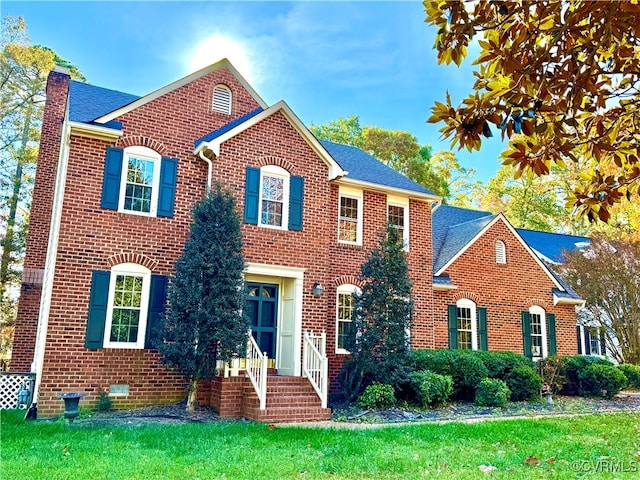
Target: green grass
{"x": 234, "y": 450}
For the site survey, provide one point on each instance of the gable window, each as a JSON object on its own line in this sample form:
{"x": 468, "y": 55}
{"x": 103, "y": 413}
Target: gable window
{"x": 501, "y": 252}
{"x": 467, "y": 326}
{"x": 273, "y": 198}
{"x": 222, "y": 99}
{"x": 398, "y": 218}
{"x": 350, "y": 216}
{"x": 345, "y": 306}
{"x": 125, "y": 307}
{"x": 139, "y": 181}
{"x": 538, "y": 333}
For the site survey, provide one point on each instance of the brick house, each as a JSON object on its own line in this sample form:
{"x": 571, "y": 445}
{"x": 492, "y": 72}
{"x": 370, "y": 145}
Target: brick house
{"x": 117, "y": 178}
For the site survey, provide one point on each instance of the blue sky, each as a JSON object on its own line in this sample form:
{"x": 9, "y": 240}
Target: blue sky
{"x": 325, "y": 59}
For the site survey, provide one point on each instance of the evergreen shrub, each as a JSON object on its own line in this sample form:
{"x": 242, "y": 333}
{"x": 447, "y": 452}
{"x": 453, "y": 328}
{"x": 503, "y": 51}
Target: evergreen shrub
{"x": 492, "y": 392}
{"x": 431, "y": 389}
{"x": 524, "y": 383}
{"x": 632, "y": 372}
{"x": 377, "y": 396}
{"x": 599, "y": 380}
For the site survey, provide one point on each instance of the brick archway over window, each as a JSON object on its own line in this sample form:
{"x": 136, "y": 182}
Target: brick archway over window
{"x": 467, "y": 296}
{"x": 538, "y": 302}
{"x": 347, "y": 279}
{"x": 139, "y": 140}
{"x": 137, "y": 258}
{"x": 280, "y": 162}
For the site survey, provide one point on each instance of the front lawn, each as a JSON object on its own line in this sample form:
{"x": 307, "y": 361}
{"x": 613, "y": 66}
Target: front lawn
{"x": 606, "y": 446}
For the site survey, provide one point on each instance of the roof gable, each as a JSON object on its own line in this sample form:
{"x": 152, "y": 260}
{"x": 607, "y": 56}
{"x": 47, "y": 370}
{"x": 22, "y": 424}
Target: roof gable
{"x": 224, "y": 63}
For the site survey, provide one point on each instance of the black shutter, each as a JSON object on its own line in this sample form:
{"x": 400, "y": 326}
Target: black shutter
{"x": 157, "y": 303}
{"x": 453, "y": 326}
{"x": 98, "y": 303}
{"x": 526, "y": 334}
{"x": 551, "y": 334}
{"x": 483, "y": 343}
{"x": 111, "y": 179}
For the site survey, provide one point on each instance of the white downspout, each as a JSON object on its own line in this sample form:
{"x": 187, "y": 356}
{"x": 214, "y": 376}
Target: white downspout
{"x": 52, "y": 253}
{"x": 209, "y": 170}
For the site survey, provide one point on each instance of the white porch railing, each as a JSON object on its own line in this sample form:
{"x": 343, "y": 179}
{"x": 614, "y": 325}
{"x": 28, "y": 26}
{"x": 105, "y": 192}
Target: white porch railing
{"x": 257, "y": 369}
{"x": 315, "y": 365}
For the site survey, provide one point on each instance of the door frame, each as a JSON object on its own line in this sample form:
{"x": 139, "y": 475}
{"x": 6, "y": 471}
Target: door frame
{"x": 278, "y": 274}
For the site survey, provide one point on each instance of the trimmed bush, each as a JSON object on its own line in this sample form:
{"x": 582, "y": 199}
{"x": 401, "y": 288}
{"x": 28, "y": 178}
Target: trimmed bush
{"x": 492, "y": 392}
{"x": 524, "y": 383}
{"x": 572, "y": 368}
{"x": 104, "y": 403}
{"x": 632, "y": 372}
{"x": 466, "y": 369}
{"x": 377, "y": 396}
{"x": 499, "y": 364}
{"x": 431, "y": 389}
{"x": 598, "y": 380}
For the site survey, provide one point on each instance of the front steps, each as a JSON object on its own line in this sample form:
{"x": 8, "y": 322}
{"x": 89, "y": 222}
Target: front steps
{"x": 289, "y": 399}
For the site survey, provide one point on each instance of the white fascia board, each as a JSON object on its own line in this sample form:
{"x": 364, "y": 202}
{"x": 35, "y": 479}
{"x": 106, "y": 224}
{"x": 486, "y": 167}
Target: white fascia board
{"x": 424, "y": 197}
{"x": 224, "y": 63}
{"x": 502, "y": 218}
{"x": 335, "y": 170}
{"x": 443, "y": 288}
{"x": 568, "y": 301}
{"x": 94, "y": 131}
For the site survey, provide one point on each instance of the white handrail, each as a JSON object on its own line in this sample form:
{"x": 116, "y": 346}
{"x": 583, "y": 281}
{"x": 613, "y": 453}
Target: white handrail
{"x": 315, "y": 365}
{"x": 257, "y": 369}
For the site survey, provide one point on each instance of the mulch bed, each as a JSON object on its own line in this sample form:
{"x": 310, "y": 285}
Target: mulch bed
{"x": 177, "y": 414}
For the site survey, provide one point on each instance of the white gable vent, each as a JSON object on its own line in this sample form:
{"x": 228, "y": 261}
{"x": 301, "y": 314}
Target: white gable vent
{"x": 222, "y": 99}
{"x": 501, "y": 252}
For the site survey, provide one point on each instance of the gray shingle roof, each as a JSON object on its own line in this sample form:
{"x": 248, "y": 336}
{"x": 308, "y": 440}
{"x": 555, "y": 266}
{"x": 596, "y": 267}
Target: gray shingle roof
{"x": 366, "y": 168}
{"x": 88, "y": 102}
{"x": 552, "y": 245}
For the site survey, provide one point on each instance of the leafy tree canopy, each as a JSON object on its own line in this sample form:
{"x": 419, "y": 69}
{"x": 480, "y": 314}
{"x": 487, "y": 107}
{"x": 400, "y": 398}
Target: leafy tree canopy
{"x": 607, "y": 277}
{"x": 560, "y": 79}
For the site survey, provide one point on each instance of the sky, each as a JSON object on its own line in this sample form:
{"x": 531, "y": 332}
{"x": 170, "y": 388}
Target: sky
{"x": 324, "y": 59}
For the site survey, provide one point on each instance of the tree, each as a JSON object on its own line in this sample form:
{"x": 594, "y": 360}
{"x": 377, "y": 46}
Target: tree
{"x": 461, "y": 188}
{"x": 205, "y": 320}
{"x": 607, "y": 277}
{"x": 529, "y": 201}
{"x": 378, "y": 340}
{"x": 561, "y": 79}
{"x": 23, "y": 75}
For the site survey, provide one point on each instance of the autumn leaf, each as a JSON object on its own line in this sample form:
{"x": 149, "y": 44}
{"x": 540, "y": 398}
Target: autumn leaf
{"x": 533, "y": 461}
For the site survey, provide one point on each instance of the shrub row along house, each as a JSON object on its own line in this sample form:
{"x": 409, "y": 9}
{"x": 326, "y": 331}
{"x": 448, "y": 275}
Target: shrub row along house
{"x": 117, "y": 178}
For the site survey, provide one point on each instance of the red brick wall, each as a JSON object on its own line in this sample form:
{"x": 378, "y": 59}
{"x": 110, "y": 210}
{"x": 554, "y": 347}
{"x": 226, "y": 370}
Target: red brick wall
{"x": 505, "y": 290}
{"x": 92, "y": 238}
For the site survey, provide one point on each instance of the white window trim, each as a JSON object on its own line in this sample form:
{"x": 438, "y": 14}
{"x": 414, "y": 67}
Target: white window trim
{"x": 466, "y": 303}
{"x": 145, "y": 154}
{"x": 357, "y": 195}
{"x": 501, "y": 252}
{"x": 535, "y": 309}
{"x": 404, "y": 203}
{"x": 215, "y": 106}
{"x": 128, "y": 269}
{"x": 346, "y": 288}
{"x": 279, "y": 172}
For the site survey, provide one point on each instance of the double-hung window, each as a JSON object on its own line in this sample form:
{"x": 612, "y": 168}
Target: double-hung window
{"x": 538, "y": 333}
{"x": 274, "y": 196}
{"x": 127, "y": 306}
{"x": 467, "y": 326}
{"x": 398, "y": 218}
{"x": 344, "y": 315}
{"x": 350, "y": 216}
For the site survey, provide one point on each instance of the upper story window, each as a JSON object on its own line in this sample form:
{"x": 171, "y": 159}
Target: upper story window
{"x": 127, "y": 306}
{"x": 222, "y": 99}
{"x": 274, "y": 196}
{"x": 398, "y": 217}
{"x": 501, "y": 252}
{"x": 350, "y": 216}
{"x": 138, "y": 180}
{"x": 345, "y": 306}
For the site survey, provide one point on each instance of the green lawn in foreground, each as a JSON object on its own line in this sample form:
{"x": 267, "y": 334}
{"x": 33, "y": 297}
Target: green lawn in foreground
{"x": 594, "y": 446}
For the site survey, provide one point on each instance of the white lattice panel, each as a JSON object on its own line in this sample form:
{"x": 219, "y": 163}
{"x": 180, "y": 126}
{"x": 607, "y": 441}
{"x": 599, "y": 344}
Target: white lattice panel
{"x": 10, "y": 384}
